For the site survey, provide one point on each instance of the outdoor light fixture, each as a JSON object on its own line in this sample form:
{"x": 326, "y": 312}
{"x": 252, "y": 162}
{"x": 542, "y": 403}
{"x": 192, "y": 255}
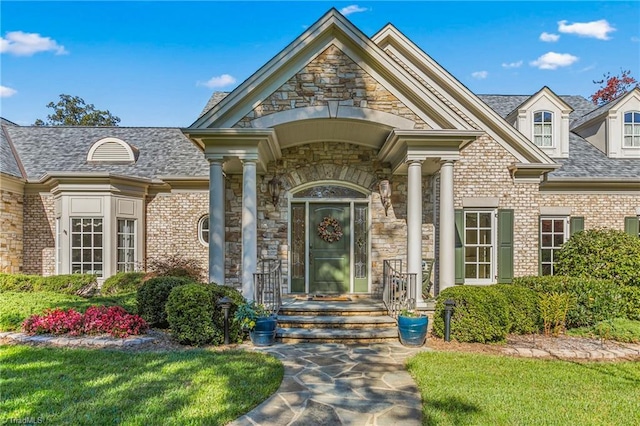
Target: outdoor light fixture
{"x": 274, "y": 186}
{"x": 225, "y": 303}
{"x": 385, "y": 194}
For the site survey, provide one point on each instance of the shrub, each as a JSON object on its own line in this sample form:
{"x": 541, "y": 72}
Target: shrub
{"x": 601, "y": 253}
{"x": 195, "y": 317}
{"x": 96, "y": 320}
{"x": 152, "y": 298}
{"x": 594, "y": 299}
{"x": 553, "y": 310}
{"x": 81, "y": 284}
{"x": 177, "y": 266}
{"x": 480, "y": 314}
{"x": 524, "y": 314}
{"x": 631, "y": 302}
{"x": 122, "y": 282}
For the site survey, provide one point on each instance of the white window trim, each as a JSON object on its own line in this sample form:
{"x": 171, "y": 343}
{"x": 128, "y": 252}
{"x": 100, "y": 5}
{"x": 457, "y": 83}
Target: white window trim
{"x": 493, "y": 274}
{"x": 543, "y": 123}
{"x": 135, "y": 243}
{"x": 633, "y": 126}
{"x": 101, "y": 274}
{"x": 201, "y": 221}
{"x": 566, "y": 231}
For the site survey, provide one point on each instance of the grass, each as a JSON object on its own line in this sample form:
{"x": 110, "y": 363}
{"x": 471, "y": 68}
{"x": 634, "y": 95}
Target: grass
{"x": 16, "y": 306}
{"x": 88, "y": 387}
{"x": 480, "y": 389}
{"x": 618, "y": 329}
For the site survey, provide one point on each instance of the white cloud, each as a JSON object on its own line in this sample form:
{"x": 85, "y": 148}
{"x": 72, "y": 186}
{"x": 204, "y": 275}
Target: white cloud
{"x": 517, "y": 64}
{"x": 26, "y": 44}
{"x": 219, "y": 81}
{"x": 6, "y": 92}
{"x": 595, "y": 29}
{"x": 479, "y": 75}
{"x": 548, "y": 37}
{"x": 635, "y": 39}
{"x": 553, "y": 60}
{"x": 354, "y": 8}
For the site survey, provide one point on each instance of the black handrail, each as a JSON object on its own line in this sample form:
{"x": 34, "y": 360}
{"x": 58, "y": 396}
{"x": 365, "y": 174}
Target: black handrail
{"x": 268, "y": 284}
{"x": 399, "y": 288}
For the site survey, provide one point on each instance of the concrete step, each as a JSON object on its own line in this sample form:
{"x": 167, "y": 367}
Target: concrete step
{"x": 343, "y": 321}
{"x": 332, "y": 335}
{"x": 333, "y": 309}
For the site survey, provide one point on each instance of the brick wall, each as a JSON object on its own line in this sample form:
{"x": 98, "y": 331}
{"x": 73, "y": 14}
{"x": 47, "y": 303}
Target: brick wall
{"x": 39, "y": 234}
{"x": 11, "y": 231}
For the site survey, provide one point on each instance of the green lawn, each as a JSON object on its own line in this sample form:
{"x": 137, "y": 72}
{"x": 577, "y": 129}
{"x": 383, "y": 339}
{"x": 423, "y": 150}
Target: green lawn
{"x": 81, "y": 386}
{"x": 474, "y": 389}
{"x": 16, "y": 306}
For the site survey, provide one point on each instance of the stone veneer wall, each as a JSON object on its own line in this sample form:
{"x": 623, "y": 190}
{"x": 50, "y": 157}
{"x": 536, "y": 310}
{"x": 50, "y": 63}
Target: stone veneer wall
{"x": 11, "y": 231}
{"x": 332, "y": 75}
{"x": 172, "y": 226}
{"x": 39, "y": 234}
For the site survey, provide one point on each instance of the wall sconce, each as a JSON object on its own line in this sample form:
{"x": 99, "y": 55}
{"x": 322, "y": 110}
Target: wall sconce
{"x": 275, "y": 187}
{"x": 385, "y": 194}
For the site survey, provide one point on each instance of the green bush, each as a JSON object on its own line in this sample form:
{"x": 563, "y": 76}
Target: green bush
{"x": 631, "y": 302}
{"x": 122, "y": 282}
{"x": 618, "y": 329}
{"x": 152, "y": 298}
{"x": 81, "y": 284}
{"x": 480, "y": 314}
{"x": 601, "y": 253}
{"x": 195, "y": 317}
{"x": 594, "y": 299}
{"x": 524, "y": 315}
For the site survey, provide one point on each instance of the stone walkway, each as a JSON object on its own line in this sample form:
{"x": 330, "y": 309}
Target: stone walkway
{"x": 627, "y": 351}
{"x": 77, "y": 341}
{"x": 337, "y": 384}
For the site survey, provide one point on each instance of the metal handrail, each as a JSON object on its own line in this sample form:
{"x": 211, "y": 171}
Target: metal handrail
{"x": 398, "y": 288}
{"x": 268, "y": 284}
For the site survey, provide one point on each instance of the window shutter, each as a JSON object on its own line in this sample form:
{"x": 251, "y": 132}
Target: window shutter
{"x": 459, "y": 218}
{"x": 632, "y": 225}
{"x": 576, "y": 224}
{"x": 505, "y": 246}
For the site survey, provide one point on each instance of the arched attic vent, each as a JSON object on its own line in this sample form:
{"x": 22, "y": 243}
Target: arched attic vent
{"x": 112, "y": 150}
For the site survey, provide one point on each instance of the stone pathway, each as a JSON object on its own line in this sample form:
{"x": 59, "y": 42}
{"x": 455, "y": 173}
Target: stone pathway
{"x": 337, "y": 384}
{"x": 626, "y": 351}
{"x": 73, "y": 341}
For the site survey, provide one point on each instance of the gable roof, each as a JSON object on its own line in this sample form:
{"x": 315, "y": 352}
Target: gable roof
{"x": 162, "y": 151}
{"x": 602, "y": 110}
{"x": 506, "y": 104}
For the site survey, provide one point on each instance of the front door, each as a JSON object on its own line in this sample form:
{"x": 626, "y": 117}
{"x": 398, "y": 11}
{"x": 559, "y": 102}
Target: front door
{"x": 329, "y": 248}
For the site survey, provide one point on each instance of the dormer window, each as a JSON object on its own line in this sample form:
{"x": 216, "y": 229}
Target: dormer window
{"x": 543, "y": 128}
{"x": 112, "y": 150}
{"x": 631, "y": 129}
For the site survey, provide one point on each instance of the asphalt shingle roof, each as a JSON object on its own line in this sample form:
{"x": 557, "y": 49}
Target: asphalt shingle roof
{"x": 505, "y": 104}
{"x": 8, "y": 163}
{"x": 213, "y": 101}
{"x": 162, "y": 151}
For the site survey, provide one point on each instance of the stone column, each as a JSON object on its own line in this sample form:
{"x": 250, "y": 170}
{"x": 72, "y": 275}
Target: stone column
{"x": 216, "y": 222}
{"x": 414, "y": 225}
{"x": 249, "y": 227}
{"x": 447, "y": 227}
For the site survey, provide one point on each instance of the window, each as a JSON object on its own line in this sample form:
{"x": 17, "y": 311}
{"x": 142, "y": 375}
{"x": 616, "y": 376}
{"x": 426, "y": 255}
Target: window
{"x": 58, "y": 247}
{"x": 203, "y": 230}
{"x": 542, "y": 128}
{"x": 479, "y": 255}
{"x": 553, "y": 234}
{"x": 631, "y": 129}
{"x": 86, "y": 246}
{"x": 126, "y": 250}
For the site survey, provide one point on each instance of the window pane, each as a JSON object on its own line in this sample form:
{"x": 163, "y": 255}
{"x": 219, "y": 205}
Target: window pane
{"x": 471, "y": 220}
{"x": 547, "y": 116}
{"x": 558, "y": 225}
{"x": 546, "y": 269}
{"x": 97, "y": 225}
{"x": 76, "y": 225}
{"x": 97, "y": 240}
{"x": 470, "y": 271}
{"x": 471, "y": 236}
{"x": 485, "y": 236}
{"x": 537, "y": 117}
{"x": 485, "y": 220}
{"x": 470, "y": 254}
{"x": 546, "y": 225}
{"x": 636, "y": 117}
{"x": 97, "y": 255}
{"x": 484, "y": 271}
{"x": 546, "y": 240}
{"x": 558, "y": 240}
{"x": 546, "y": 255}
{"x": 86, "y": 255}
{"x": 627, "y": 117}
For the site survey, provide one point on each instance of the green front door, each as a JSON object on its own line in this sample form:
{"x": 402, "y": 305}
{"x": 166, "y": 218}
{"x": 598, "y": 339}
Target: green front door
{"x": 329, "y": 254}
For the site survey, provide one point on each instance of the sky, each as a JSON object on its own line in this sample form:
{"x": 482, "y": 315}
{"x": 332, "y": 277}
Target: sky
{"x": 156, "y": 63}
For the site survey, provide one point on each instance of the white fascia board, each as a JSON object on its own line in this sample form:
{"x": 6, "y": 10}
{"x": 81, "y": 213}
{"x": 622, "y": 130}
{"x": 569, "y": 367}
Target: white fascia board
{"x": 389, "y": 37}
{"x": 11, "y": 183}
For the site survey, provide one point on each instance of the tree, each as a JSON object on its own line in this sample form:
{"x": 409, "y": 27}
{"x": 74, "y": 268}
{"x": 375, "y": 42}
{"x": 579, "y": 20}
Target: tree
{"x": 72, "y": 111}
{"x": 612, "y": 87}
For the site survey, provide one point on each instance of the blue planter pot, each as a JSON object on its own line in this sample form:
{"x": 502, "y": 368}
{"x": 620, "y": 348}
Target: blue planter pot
{"x": 413, "y": 331}
{"x": 264, "y": 333}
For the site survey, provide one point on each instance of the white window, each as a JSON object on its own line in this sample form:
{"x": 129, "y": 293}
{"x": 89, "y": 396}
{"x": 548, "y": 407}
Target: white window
{"x": 86, "y": 245}
{"x": 479, "y": 246}
{"x": 126, "y": 250}
{"x": 203, "y": 230}
{"x": 631, "y": 129}
{"x": 554, "y": 232}
{"x": 543, "y": 128}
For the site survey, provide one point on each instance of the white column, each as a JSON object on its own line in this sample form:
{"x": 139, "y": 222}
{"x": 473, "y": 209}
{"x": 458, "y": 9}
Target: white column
{"x": 249, "y": 227}
{"x": 216, "y": 222}
{"x": 414, "y": 225}
{"x": 447, "y": 227}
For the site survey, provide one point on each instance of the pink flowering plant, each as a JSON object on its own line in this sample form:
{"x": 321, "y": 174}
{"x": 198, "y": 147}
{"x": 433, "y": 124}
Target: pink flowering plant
{"x": 112, "y": 320}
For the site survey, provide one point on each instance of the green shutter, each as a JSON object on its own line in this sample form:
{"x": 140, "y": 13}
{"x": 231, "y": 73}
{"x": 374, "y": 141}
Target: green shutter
{"x": 576, "y": 224}
{"x": 459, "y": 218}
{"x": 505, "y": 246}
{"x": 632, "y": 225}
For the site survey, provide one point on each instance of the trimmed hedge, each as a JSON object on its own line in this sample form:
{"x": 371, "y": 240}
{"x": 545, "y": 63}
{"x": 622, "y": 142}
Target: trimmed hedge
{"x": 122, "y": 282}
{"x": 631, "y": 302}
{"x": 595, "y": 299}
{"x": 80, "y": 284}
{"x": 480, "y": 315}
{"x": 195, "y": 317}
{"x": 152, "y": 298}
{"x": 524, "y": 315}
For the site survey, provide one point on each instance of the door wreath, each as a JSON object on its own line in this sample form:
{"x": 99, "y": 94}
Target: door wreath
{"x": 330, "y": 230}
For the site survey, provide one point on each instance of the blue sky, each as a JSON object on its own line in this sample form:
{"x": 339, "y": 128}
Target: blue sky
{"x": 157, "y": 63}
